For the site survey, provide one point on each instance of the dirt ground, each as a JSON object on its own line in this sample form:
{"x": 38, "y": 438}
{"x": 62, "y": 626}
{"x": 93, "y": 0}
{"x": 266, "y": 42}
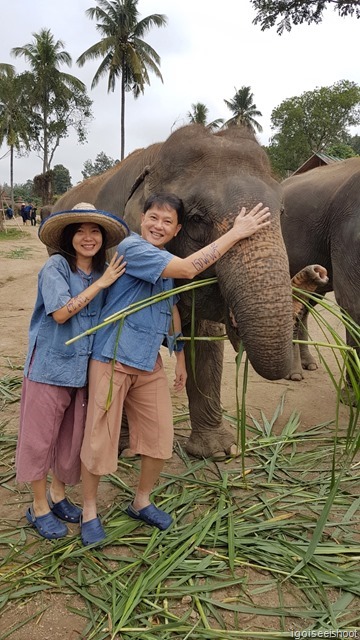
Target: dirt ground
{"x": 20, "y": 262}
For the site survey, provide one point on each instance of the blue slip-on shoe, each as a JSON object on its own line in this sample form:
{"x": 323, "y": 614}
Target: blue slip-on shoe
{"x": 48, "y": 526}
{"x": 65, "y": 510}
{"x": 151, "y": 515}
{"x": 92, "y": 532}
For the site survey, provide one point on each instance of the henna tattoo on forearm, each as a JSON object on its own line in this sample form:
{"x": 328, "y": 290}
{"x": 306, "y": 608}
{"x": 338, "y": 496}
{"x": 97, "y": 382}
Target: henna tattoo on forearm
{"x": 76, "y": 303}
{"x": 207, "y": 258}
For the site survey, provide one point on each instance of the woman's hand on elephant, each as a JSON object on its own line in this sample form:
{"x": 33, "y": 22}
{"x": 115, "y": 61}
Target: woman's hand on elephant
{"x": 115, "y": 269}
{"x": 246, "y": 224}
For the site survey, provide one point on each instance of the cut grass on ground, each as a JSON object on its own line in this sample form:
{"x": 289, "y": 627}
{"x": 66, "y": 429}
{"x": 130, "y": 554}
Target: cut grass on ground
{"x": 234, "y": 563}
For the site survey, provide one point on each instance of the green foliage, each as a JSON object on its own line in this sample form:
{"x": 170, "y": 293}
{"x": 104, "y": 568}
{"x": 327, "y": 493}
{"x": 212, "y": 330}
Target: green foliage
{"x": 61, "y": 179}
{"x": 199, "y": 114}
{"x": 341, "y": 150}
{"x": 354, "y": 143}
{"x": 293, "y": 12}
{"x": 22, "y": 191}
{"x": 19, "y": 253}
{"x": 101, "y": 164}
{"x": 314, "y": 121}
{"x": 58, "y": 100}
{"x": 243, "y": 109}
{"x": 13, "y": 117}
{"x": 12, "y": 234}
{"x": 122, "y": 50}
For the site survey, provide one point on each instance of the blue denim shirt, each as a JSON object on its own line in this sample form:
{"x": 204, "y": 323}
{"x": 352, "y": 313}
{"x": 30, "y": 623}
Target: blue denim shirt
{"x": 143, "y": 332}
{"x": 49, "y": 360}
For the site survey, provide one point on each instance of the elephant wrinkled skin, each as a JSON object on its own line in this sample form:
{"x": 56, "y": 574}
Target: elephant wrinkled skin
{"x": 321, "y": 223}
{"x": 214, "y": 174}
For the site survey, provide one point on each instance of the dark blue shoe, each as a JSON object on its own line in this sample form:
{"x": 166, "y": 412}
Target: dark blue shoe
{"x": 65, "y": 510}
{"x": 151, "y": 515}
{"x": 92, "y": 532}
{"x": 48, "y": 526}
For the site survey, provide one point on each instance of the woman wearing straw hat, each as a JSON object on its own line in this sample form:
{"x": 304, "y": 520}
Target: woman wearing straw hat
{"x": 71, "y": 291}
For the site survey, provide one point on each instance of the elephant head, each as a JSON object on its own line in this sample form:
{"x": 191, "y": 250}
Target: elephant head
{"x": 216, "y": 174}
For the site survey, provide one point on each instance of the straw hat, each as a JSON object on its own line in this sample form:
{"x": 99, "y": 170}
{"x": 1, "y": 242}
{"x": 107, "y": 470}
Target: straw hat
{"x": 51, "y": 228}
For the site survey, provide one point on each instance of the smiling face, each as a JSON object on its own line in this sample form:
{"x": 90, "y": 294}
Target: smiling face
{"x": 87, "y": 240}
{"x": 159, "y": 225}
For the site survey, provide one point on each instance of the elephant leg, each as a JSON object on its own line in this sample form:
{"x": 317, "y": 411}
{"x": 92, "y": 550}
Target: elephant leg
{"x": 346, "y": 290}
{"x": 308, "y": 279}
{"x": 209, "y": 435}
{"x": 350, "y": 393}
{"x": 307, "y": 359}
{"x": 302, "y": 358}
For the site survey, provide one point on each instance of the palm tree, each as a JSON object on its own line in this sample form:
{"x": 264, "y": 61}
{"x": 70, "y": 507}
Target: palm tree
{"x": 123, "y": 51}
{"x": 50, "y": 86}
{"x": 13, "y": 120}
{"x": 199, "y": 115}
{"x": 244, "y": 109}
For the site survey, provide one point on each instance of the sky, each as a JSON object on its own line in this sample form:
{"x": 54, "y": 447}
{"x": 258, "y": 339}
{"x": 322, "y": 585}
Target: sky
{"x": 208, "y": 50}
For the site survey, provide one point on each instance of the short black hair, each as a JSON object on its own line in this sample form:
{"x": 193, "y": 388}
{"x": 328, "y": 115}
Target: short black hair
{"x": 164, "y": 200}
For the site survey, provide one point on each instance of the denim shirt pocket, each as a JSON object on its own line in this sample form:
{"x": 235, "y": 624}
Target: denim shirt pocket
{"x": 60, "y": 365}
{"x": 136, "y": 342}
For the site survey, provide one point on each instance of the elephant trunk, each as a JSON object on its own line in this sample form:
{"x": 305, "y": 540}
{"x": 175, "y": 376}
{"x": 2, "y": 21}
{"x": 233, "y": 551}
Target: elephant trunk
{"x": 255, "y": 283}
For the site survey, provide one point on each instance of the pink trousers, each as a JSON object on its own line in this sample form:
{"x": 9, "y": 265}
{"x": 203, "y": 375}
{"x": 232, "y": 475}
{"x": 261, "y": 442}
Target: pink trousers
{"x": 52, "y": 422}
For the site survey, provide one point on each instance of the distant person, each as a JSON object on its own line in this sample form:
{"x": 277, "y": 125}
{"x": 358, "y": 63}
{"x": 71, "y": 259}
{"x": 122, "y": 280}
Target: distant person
{"x": 27, "y": 210}
{"x": 23, "y": 214}
{"x": 33, "y": 216}
{"x": 9, "y": 213}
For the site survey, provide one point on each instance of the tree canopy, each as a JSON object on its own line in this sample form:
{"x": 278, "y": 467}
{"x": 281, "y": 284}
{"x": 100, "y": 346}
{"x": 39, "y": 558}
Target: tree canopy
{"x": 58, "y": 100}
{"x": 314, "y": 121}
{"x": 123, "y": 51}
{"x": 286, "y": 13}
{"x": 14, "y": 123}
{"x": 101, "y": 164}
{"x": 244, "y": 109}
{"x": 61, "y": 179}
{"x": 199, "y": 114}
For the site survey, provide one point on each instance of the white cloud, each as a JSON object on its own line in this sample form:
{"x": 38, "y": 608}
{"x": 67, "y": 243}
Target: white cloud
{"x": 205, "y": 53}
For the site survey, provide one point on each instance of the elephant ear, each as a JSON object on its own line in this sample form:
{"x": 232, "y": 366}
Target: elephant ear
{"x": 139, "y": 180}
{"x": 135, "y": 202}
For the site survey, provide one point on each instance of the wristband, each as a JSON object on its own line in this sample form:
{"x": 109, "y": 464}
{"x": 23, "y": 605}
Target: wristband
{"x": 179, "y": 344}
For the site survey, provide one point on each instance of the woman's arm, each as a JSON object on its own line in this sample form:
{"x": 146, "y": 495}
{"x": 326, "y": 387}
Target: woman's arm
{"x": 115, "y": 269}
{"x": 245, "y": 225}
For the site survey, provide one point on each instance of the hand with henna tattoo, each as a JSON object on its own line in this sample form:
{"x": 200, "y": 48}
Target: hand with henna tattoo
{"x": 115, "y": 269}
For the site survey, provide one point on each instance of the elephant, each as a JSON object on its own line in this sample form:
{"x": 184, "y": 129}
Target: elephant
{"x": 321, "y": 223}
{"x": 214, "y": 174}
{"x": 45, "y": 211}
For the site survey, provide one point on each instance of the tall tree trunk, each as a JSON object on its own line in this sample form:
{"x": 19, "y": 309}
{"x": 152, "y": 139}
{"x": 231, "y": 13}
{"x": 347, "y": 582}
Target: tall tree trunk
{"x": 12, "y": 178}
{"x": 122, "y": 118}
{"x": 45, "y": 158}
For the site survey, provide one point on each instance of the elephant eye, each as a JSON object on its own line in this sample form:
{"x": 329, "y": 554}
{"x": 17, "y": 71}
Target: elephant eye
{"x": 197, "y": 227}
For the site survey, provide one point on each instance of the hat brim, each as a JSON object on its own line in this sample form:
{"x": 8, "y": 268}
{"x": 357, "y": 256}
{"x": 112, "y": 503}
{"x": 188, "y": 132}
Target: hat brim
{"x": 51, "y": 228}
